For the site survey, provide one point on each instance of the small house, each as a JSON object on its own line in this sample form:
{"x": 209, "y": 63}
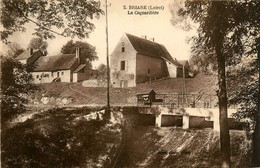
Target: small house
{"x": 57, "y": 68}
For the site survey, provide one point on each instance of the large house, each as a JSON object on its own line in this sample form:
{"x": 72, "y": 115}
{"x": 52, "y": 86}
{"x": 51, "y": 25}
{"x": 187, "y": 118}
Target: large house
{"x": 58, "y": 68}
{"x": 136, "y": 60}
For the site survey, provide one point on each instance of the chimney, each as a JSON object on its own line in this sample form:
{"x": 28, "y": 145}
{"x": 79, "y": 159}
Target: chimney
{"x": 77, "y": 54}
{"x": 30, "y": 52}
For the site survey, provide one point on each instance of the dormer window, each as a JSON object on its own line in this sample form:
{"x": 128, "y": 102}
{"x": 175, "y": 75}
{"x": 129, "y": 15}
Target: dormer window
{"x": 123, "y": 47}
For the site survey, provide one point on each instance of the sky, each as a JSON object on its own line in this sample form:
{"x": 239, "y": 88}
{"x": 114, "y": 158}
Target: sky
{"x": 120, "y": 21}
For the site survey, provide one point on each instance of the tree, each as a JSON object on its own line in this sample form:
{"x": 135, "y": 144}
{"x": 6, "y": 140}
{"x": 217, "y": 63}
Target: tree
{"x": 102, "y": 70}
{"x": 58, "y": 17}
{"x": 16, "y": 83}
{"x": 203, "y": 63}
{"x": 224, "y": 30}
{"x": 69, "y": 18}
{"x": 38, "y": 43}
{"x": 242, "y": 80}
{"x": 256, "y": 138}
{"x": 87, "y": 51}
{"x": 15, "y": 50}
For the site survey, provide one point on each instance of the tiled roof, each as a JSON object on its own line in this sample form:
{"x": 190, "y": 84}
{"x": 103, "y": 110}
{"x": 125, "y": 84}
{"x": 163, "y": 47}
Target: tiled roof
{"x": 150, "y": 48}
{"x": 53, "y": 63}
{"x": 25, "y": 55}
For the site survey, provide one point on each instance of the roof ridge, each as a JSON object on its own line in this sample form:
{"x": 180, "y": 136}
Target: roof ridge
{"x": 143, "y": 39}
{"x": 59, "y": 55}
{"x": 151, "y": 48}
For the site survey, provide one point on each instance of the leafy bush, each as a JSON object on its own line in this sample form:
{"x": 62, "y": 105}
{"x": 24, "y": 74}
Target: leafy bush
{"x": 16, "y": 83}
{"x": 57, "y": 138}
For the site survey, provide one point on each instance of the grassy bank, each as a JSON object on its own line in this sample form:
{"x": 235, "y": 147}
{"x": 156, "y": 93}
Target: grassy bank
{"x": 61, "y": 138}
{"x": 169, "y": 147}
{"x": 84, "y": 138}
{"x": 77, "y": 94}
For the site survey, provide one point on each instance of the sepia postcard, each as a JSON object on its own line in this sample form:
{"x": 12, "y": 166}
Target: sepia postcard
{"x": 129, "y": 83}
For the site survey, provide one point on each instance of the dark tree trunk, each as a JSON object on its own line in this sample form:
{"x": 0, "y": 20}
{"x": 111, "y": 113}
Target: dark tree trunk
{"x": 223, "y": 118}
{"x": 256, "y": 139}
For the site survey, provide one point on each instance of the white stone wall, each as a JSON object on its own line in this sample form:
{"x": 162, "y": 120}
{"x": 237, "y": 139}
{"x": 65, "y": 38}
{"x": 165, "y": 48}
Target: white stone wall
{"x": 212, "y": 114}
{"x": 172, "y": 69}
{"x": 145, "y": 63}
{"x": 129, "y": 56}
{"x": 48, "y": 77}
{"x": 65, "y": 76}
{"x": 75, "y": 77}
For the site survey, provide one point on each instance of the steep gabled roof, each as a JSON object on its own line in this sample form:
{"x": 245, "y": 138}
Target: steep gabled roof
{"x": 54, "y": 63}
{"x": 150, "y": 48}
{"x": 25, "y": 55}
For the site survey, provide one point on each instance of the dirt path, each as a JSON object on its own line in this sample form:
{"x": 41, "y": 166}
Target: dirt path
{"x": 89, "y": 97}
{"x": 70, "y": 86}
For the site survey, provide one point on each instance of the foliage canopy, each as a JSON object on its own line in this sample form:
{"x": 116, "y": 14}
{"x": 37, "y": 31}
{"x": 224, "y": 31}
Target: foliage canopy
{"x": 38, "y": 43}
{"x": 16, "y": 85}
{"x": 87, "y": 51}
{"x": 227, "y": 30}
{"x": 71, "y": 18}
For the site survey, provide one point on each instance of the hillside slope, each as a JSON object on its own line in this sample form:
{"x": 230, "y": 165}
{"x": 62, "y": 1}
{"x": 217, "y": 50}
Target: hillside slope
{"x": 77, "y": 94}
{"x": 150, "y": 147}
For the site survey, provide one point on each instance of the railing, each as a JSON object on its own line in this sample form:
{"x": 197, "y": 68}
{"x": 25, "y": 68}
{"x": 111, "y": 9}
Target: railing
{"x": 179, "y": 100}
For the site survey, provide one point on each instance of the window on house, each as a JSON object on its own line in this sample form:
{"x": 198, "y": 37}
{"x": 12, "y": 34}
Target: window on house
{"x": 123, "y": 47}
{"x": 122, "y": 65}
{"x": 37, "y": 76}
{"x": 148, "y": 71}
{"x": 51, "y": 74}
{"x": 62, "y": 73}
{"x": 123, "y": 83}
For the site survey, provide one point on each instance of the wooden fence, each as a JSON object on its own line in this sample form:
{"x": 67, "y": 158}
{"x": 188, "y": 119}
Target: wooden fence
{"x": 178, "y": 100}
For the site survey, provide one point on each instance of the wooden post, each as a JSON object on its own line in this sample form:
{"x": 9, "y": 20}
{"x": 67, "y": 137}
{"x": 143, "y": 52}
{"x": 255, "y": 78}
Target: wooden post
{"x": 183, "y": 85}
{"x": 178, "y": 100}
{"x": 209, "y": 101}
{"x": 194, "y": 98}
{"x": 108, "y": 69}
